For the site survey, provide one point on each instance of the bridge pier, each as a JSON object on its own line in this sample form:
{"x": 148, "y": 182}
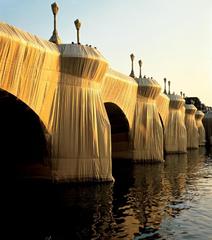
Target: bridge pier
{"x": 207, "y": 122}
{"x": 81, "y": 138}
{"x": 191, "y": 127}
{"x": 199, "y": 115}
{"x": 175, "y": 129}
{"x": 147, "y": 130}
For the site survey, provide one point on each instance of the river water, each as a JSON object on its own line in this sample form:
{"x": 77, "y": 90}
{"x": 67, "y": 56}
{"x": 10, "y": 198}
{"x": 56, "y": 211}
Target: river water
{"x": 172, "y": 200}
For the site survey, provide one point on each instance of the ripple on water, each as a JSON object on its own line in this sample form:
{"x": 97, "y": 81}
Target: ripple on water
{"x": 162, "y": 201}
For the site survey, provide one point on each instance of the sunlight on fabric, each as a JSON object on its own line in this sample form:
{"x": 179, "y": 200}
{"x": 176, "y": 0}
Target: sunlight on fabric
{"x": 61, "y": 84}
{"x": 175, "y": 130}
{"x": 162, "y": 102}
{"x": 121, "y": 90}
{"x": 192, "y": 130}
{"x": 147, "y": 130}
{"x": 198, "y": 117}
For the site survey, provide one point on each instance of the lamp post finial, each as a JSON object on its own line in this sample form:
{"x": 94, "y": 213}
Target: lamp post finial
{"x": 169, "y": 85}
{"x": 164, "y": 86}
{"x": 140, "y": 65}
{"x": 55, "y": 38}
{"x": 77, "y": 25}
{"x": 132, "y": 70}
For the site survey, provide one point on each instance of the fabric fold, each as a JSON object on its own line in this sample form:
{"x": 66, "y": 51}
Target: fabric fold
{"x": 147, "y": 130}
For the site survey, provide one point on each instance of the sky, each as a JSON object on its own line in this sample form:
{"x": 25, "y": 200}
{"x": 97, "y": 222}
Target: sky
{"x": 172, "y": 37}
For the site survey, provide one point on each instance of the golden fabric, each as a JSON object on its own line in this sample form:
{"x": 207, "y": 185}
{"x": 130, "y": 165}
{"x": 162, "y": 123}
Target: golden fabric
{"x": 29, "y": 69}
{"x": 147, "y": 131}
{"x": 162, "y": 102}
{"x": 62, "y": 85}
{"x": 201, "y": 130}
{"x": 121, "y": 90}
{"x": 175, "y": 130}
{"x": 192, "y": 130}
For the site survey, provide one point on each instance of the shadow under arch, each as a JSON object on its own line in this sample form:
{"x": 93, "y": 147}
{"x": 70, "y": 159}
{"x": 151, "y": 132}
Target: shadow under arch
{"x": 22, "y": 133}
{"x": 163, "y": 127}
{"x": 162, "y": 123}
{"x": 119, "y": 131}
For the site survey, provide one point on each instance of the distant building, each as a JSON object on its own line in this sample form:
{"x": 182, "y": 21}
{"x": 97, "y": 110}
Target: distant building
{"x": 198, "y": 104}
{"x": 194, "y": 100}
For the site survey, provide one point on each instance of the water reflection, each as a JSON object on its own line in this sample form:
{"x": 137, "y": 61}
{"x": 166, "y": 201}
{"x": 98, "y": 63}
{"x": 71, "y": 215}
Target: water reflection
{"x": 146, "y": 195}
{"x": 145, "y": 202}
{"x": 196, "y": 158}
{"x": 175, "y": 171}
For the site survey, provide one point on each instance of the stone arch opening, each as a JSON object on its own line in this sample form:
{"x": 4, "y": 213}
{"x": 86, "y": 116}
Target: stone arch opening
{"x": 119, "y": 131}
{"x": 22, "y": 133}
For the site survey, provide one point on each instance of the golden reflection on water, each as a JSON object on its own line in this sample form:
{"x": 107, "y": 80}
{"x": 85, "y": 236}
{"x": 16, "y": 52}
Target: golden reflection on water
{"x": 159, "y": 191}
{"x": 143, "y": 197}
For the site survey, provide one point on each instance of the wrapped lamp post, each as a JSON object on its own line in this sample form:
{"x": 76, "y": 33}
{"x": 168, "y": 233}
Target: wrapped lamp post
{"x": 140, "y": 65}
{"x": 77, "y": 25}
{"x": 132, "y": 70}
{"x": 55, "y": 38}
{"x": 164, "y": 86}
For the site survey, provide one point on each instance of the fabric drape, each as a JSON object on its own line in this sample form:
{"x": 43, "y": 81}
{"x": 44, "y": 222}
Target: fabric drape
{"x": 121, "y": 90}
{"x": 162, "y": 102}
{"x": 62, "y": 86}
{"x": 175, "y": 130}
{"x": 147, "y": 131}
{"x": 29, "y": 69}
{"x": 119, "y": 93}
{"x": 192, "y": 130}
{"x": 201, "y": 130}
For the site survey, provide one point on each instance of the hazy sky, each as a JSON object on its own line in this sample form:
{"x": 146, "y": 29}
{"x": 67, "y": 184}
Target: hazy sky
{"x": 172, "y": 37}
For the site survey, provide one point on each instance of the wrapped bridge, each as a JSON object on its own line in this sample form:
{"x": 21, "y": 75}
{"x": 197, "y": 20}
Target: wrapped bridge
{"x": 89, "y": 112}
{"x": 67, "y": 86}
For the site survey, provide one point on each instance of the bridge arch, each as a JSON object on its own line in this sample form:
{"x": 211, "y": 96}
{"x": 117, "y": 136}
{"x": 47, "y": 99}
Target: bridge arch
{"x": 120, "y": 90}
{"x": 119, "y": 130}
{"x": 23, "y": 135}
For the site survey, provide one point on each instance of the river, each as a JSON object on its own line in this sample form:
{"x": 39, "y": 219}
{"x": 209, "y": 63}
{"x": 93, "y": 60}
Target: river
{"x": 172, "y": 200}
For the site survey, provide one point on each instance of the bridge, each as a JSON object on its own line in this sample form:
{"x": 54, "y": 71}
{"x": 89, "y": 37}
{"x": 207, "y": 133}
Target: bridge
{"x": 89, "y": 113}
